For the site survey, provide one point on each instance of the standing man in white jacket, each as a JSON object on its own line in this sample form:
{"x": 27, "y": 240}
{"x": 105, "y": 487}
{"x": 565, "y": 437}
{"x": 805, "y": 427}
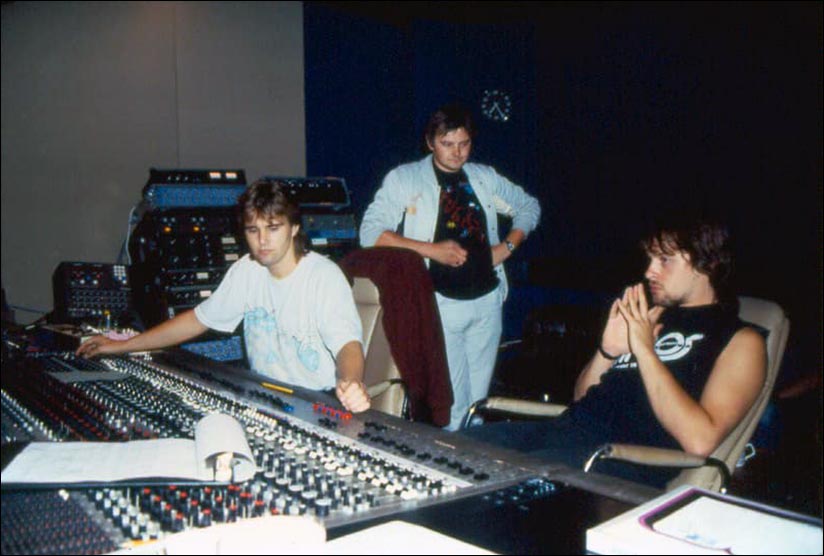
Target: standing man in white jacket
{"x": 444, "y": 208}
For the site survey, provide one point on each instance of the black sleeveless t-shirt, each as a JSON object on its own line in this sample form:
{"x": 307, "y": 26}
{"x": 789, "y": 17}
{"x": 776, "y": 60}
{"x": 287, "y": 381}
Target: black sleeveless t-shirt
{"x": 690, "y": 341}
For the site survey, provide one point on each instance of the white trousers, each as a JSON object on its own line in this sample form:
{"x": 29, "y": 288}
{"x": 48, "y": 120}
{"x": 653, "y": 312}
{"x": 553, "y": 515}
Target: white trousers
{"x": 472, "y": 333}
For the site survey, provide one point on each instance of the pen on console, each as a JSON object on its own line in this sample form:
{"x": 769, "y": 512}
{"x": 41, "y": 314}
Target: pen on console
{"x": 277, "y": 388}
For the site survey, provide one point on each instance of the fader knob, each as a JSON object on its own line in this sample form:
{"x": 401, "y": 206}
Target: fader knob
{"x": 322, "y": 506}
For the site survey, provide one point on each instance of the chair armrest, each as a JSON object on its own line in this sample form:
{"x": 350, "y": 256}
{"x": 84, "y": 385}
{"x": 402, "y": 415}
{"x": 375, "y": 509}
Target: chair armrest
{"x": 513, "y": 406}
{"x": 524, "y": 407}
{"x": 662, "y": 457}
{"x": 659, "y": 457}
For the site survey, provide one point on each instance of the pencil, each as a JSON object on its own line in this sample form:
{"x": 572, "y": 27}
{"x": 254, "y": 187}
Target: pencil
{"x": 277, "y": 388}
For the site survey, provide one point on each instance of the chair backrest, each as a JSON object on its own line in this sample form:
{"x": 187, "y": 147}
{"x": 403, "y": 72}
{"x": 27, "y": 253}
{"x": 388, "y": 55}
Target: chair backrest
{"x": 771, "y": 317}
{"x": 379, "y": 364}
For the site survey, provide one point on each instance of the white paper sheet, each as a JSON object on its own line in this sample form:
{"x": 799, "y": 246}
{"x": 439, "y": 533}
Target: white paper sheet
{"x": 172, "y": 458}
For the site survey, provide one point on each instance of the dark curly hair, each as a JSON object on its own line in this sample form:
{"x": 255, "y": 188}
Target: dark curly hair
{"x": 705, "y": 242}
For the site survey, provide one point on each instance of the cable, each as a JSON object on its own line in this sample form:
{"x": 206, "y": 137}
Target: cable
{"x": 124, "y": 257}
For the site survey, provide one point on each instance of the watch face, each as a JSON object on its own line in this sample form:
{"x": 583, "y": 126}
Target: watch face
{"x": 496, "y": 105}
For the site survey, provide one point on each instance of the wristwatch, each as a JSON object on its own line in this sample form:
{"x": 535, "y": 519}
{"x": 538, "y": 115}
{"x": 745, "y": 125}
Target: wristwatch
{"x": 510, "y": 246}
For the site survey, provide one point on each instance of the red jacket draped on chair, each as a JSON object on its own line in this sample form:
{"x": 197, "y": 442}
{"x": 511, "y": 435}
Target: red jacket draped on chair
{"x": 412, "y": 325}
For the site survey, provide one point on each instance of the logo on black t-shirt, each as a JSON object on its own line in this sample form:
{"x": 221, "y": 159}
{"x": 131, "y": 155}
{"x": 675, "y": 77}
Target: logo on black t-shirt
{"x": 670, "y": 347}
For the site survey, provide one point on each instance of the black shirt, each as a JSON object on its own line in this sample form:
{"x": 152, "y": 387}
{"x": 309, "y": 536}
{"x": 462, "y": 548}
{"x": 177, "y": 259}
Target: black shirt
{"x": 461, "y": 218}
{"x": 689, "y": 343}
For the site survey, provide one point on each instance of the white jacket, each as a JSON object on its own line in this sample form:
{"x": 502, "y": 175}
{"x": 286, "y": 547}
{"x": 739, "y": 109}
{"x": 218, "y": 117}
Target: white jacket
{"x": 413, "y": 189}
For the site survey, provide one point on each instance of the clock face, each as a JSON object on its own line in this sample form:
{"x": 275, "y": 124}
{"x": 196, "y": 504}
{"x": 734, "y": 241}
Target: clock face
{"x": 496, "y": 105}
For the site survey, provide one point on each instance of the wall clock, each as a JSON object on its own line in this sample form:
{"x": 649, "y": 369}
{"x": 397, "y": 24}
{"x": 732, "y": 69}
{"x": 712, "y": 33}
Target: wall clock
{"x": 496, "y": 105}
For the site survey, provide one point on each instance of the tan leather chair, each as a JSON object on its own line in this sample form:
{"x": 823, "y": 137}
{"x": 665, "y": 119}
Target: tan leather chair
{"x": 713, "y": 472}
{"x": 381, "y": 376}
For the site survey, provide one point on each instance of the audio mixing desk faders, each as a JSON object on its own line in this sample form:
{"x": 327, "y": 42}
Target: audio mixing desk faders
{"x": 347, "y": 471}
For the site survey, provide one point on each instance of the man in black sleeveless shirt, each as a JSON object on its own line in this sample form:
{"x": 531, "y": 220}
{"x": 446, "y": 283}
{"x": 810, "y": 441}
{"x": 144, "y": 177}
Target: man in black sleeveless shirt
{"x": 680, "y": 374}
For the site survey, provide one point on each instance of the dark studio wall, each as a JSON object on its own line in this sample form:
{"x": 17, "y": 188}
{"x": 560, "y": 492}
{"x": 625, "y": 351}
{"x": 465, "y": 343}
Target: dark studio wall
{"x": 359, "y": 106}
{"x": 374, "y": 84}
{"x": 621, "y": 111}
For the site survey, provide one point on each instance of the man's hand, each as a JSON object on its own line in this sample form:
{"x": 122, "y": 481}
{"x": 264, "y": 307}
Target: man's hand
{"x": 641, "y": 322}
{"x": 614, "y": 339}
{"x": 99, "y": 345}
{"x": 448, "y": 253}
{"x": 182, "y": 328}
{"x": 631, "y": 326}
{"x": 352, "y": 394}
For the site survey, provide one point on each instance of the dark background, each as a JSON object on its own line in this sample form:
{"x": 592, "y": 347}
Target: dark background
{"x": 620, "y": 111}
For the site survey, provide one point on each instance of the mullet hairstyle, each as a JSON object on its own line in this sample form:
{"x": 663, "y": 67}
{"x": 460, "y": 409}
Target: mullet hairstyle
{"x": 268, "y": 200}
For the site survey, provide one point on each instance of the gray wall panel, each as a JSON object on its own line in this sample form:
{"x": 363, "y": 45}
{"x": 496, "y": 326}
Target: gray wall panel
{"x": 94, "y": 94}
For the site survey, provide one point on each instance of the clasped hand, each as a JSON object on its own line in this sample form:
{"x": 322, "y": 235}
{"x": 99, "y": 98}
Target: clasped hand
{"x": 353, "y": 395}
{"x": 632, "y": 326}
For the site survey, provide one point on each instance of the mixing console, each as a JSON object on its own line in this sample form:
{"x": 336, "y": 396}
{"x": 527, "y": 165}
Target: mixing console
{"x": 312, "y": 457}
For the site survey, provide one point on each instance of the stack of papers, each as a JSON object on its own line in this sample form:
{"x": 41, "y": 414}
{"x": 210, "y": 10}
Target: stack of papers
{"x": 690, "y": 520}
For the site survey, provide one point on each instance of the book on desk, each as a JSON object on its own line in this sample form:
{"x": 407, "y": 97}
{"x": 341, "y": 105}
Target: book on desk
{"x": 691, "y": 520}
